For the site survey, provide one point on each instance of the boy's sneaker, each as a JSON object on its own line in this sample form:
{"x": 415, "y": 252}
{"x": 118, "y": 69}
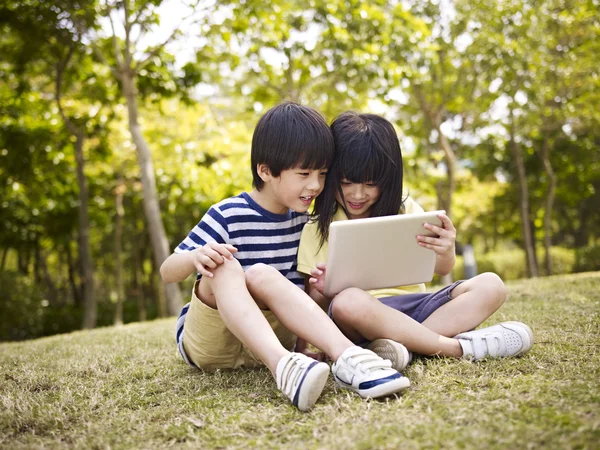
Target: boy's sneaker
{"x": 302, "y": 379}
{"x": 503, "y": 339}
{"x": 393, "y": 351}
{"x": 367, "y": 374}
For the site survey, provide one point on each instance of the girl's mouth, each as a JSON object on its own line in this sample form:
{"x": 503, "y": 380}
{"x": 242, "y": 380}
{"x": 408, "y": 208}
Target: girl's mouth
{"x": 356, "y": 205}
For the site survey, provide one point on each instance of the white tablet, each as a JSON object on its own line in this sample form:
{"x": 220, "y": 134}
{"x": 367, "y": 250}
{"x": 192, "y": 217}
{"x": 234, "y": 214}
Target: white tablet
{"x": 379, "y": 252}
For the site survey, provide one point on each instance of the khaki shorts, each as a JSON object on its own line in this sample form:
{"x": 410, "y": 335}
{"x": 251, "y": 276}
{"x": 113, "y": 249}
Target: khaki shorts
{"x": 210, "y": 345}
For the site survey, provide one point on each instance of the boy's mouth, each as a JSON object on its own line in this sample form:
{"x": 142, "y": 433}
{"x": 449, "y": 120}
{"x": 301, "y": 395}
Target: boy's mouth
{"x": 307, "y": 200}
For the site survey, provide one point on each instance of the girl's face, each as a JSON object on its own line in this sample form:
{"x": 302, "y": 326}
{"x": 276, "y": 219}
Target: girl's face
{"x": 359, "y": 197}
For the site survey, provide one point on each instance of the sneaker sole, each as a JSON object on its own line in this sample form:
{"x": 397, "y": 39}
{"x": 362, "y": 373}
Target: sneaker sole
{"x": 397, "y": 354}
{"x": 382, "y": 390}
{"x": 312, "y": 386}
{"x": 526, "y": 345}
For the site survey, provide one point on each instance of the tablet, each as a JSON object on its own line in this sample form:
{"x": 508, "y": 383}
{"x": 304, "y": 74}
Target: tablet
{"x": 379, "y": 252}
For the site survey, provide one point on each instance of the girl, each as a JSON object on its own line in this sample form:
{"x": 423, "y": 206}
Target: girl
{"x": 365, "y": 180}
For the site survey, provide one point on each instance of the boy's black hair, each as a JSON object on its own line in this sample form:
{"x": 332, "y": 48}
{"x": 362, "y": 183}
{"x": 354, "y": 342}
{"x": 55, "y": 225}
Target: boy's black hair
{"x": 367, "y": 150}
{"x": 290, "y": 135}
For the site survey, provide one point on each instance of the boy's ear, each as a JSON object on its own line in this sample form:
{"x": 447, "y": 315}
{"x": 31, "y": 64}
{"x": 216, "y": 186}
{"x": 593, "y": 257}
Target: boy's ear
{"x": 264, "y": 172}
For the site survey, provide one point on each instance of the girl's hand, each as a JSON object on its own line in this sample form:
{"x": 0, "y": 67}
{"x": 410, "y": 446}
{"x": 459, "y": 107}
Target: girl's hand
{"x": 318, "y": 278}
{"x": 444, "y": 243}
{"x": 210, "y": 256}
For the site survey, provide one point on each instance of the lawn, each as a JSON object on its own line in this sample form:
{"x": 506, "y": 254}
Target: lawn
{"x": 127, "y": 388}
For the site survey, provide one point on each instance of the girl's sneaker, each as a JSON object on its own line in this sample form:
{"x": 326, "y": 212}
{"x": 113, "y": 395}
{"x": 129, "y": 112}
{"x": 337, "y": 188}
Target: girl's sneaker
{"x": 393, "y": 351}
{"x": 302, "y": 379}
{"x": 503, "y": 339}
{"x": 365, "y": 373}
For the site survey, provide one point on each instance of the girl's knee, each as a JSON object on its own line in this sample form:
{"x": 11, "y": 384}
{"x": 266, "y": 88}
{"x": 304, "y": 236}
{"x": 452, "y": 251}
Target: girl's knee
{"x": 349, "y": 304}
{"x": 492, "y": 288}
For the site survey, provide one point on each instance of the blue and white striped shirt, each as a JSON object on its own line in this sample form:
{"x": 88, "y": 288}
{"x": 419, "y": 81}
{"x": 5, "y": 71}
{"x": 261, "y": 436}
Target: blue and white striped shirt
{"x": 259, "y": 235}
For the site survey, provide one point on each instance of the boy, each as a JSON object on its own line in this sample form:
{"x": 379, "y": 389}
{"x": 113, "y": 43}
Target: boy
{"x": 248, "y": 303}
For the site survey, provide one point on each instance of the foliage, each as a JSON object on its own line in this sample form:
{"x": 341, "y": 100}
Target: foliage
{"x": 127, "y": 388}
{"x": 457, "y": 66}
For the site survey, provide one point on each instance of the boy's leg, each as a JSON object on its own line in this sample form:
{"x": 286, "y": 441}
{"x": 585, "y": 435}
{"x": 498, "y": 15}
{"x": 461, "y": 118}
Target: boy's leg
{"x": 361, "y": 316}
{"x": 227, "y": 292}
{"x": 299, "y": 377}
{"x": 295, "y": 309}
{"x": 473, "y": 301}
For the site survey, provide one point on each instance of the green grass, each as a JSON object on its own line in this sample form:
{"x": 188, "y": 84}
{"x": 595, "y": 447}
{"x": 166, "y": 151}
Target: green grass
{"x": 126, "y": 388}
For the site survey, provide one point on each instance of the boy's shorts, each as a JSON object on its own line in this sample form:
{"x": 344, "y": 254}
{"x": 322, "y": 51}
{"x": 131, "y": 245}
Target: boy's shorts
{"x": 418, "y": 306}
{"x": 210, "y": 345}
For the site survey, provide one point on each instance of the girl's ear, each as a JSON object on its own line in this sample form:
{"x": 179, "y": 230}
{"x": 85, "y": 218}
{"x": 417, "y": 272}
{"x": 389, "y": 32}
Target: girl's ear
{"x": 264, "y": 172}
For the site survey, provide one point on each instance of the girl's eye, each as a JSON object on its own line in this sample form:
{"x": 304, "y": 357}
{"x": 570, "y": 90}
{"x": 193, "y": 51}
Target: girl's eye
{"x": 345, "y": 183}
{"x": 371, "y": 184}
{"x": 323, "y": 174}
{"x": 303, "y": 174}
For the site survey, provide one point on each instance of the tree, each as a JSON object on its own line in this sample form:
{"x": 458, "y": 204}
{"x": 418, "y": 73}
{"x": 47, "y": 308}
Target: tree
{"x": 128, "y": 69}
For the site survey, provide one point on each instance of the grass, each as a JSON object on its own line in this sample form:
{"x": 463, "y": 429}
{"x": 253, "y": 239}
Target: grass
{"x": 126, "y": 388}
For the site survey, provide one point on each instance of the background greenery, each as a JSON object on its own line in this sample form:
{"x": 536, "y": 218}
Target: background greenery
{"x": 495, "y": 103}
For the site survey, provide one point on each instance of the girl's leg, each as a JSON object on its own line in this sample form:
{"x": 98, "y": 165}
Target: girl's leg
{"x": 473, "y": 301}
{"x": 295, "y": 309}
{"x": 228, "y": 293}
{"x": 358, "y": 314}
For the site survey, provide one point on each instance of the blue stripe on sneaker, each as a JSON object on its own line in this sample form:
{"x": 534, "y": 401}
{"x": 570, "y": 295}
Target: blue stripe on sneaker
{"x": 373, "y": 383}
{"x": 296, "y": 396}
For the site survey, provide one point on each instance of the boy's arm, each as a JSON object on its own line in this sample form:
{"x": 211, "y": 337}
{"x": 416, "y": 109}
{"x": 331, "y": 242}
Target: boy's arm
{"x": 179, "y": 266}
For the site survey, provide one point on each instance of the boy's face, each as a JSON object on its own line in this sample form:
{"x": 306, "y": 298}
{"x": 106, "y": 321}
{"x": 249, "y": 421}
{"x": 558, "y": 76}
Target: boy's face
{"x": 297, "y": 188}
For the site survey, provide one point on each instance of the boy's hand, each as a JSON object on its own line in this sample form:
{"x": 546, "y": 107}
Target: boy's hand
{"x": 444, "y": 243}
{"x": 318, "y": 278}
{"x": 210, "y": 256}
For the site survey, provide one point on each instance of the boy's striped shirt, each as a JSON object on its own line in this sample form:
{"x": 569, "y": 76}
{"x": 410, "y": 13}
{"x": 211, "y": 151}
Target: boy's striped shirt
{"x": 259, "y": 235}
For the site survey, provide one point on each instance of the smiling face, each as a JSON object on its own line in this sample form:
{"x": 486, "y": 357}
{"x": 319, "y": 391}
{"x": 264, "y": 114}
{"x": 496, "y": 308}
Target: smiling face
{"x": 293, "y": 189}
{"x": 358, "y": 199}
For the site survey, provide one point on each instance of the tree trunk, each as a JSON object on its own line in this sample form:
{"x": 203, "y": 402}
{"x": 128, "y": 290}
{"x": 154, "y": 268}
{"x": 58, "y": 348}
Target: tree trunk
{"x": 158, "y": 238}
{"x": 85, "y": 255}
{"x": 550, "y": 195}
{"x": 515, "y": 149}
{"x": 77, "y": 297}
{"x": 138, "y": 281}
{"x": 120, "y": 212}
{"x": 451, "y": 164}
{"x": 3, "y": 259}
{"x": 450, "y": 160}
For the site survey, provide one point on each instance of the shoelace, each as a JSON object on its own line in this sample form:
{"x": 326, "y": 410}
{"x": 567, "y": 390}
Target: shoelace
{"x": 367, "y": 361}
{"x": 290, "y": 376}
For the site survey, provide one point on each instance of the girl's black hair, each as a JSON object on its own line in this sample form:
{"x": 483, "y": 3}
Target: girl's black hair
{"x": 367, "y": 150}
{"x": 290, "y": 135}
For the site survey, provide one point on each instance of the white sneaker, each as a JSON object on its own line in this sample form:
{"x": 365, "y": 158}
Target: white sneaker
{"x": 367, "y": 374}
{"x": 397, "y": 353}
{"x": 302, "y": 379}
{"x": 503, "y": 339}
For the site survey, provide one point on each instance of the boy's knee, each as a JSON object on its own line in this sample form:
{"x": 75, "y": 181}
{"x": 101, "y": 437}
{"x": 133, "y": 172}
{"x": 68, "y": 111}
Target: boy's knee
{"x": 259, "y": 274}
{"x": 349, "y": 304}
